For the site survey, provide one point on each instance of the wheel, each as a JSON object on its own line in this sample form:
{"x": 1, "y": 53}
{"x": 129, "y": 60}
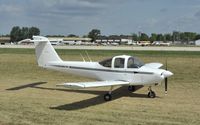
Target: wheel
{"x": 151, "y": 94}
{"x": 131, "y": 88}
{"x": 107, "y": 97}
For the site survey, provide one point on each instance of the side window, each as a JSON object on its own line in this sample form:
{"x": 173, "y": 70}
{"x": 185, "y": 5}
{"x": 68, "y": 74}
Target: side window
{"x": 130, "y": 63}
{"x": 119, "y": 63}
{"x": 106, "y": 63}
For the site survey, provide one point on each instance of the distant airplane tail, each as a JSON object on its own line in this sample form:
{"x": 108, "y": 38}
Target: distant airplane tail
{"x": 44, "y": 51}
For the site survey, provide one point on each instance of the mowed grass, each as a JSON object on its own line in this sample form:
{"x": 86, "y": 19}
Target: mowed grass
{"x": 41, "y": 102}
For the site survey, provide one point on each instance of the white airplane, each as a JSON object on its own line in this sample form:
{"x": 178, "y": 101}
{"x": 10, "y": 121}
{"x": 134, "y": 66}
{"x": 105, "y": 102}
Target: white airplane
{"x": 120, "y": 70}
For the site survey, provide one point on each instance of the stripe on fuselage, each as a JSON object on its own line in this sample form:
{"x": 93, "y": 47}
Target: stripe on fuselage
{"x": 104, "y": 70}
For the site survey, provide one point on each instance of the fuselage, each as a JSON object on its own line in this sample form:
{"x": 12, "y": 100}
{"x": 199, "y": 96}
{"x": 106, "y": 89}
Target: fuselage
{"x": 136, "y": 76}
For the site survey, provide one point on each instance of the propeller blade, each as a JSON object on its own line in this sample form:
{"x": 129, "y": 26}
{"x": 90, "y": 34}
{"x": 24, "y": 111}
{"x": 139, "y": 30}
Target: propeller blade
{"x": 166, "y": 78}
{"x": 166, "y": 86}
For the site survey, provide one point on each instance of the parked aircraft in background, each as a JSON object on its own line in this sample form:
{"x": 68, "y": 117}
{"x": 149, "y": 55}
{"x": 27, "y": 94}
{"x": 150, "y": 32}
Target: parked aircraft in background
{"x": 161, "y": 43}
{"x": 120, "y": 70}
{"x": 143, "y": 43}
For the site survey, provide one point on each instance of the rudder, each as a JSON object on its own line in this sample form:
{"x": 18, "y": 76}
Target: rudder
{"x": 44, "y": 51}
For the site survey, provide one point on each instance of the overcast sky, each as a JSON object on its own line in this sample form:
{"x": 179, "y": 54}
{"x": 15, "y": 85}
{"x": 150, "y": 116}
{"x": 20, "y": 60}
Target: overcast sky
{"x": 110, "y": 16}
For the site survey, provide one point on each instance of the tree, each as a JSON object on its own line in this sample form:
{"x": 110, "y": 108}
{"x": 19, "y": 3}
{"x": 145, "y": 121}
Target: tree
{"x": 33, "y": 31}
{"x": 176, "y": 36}
{"x": 55, "y": 36}
{"x": 24, "y": 33}
{"x": 144, "y": 37}
{"x": 114, "y": 37}
{"x": 160, "y": 37}
{"x": 187, "y": 36}
{"x": 134, "y": 37}
{"x": 93, "y": 34}
{"x": 168, "y": 37}
{"x": 85, "y": 36}
{"x": 15, "y": 34}
{"x": 153, "y": 37}
{"x": 18, "y": 33}
{"x": 197, "y": 37}
{"x": 190, "y": 36}
{"x": 72, "y": 35}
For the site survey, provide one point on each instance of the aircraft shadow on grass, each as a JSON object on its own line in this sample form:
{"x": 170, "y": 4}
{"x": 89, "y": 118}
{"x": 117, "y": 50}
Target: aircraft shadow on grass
{"x": 25, "y": 86}
{"x": 117, "y": 93}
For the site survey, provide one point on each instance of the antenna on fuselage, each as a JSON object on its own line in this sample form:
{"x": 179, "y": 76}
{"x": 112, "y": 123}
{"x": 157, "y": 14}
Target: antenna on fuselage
{"x": 82, "y": 57}
{"x": 88, "y": 56}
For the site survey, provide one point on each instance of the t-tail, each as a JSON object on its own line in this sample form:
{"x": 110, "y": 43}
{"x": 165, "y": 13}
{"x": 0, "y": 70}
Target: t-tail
{"x": 45, "y": 53}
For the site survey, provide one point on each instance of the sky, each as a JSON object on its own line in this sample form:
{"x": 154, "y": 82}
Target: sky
{"x": 63, "y": 17}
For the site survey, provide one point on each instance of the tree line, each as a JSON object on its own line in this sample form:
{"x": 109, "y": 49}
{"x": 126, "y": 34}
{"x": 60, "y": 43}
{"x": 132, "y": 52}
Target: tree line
{"x": 184, "y": 37}
{"x": 174, "y": 36}
{"x": 18, "y": 34}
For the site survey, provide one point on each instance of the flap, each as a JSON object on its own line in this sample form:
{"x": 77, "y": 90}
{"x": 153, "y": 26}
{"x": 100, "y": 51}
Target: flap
{"x": 80, "y": 85}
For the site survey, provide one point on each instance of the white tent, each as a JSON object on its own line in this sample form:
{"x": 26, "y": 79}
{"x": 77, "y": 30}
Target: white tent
{"x": 197, "y": 42}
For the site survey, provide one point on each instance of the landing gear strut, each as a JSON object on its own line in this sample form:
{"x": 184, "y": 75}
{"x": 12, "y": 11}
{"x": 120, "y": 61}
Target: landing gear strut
{"x": 108, "y": 96}
{"x": 151, "y": 93}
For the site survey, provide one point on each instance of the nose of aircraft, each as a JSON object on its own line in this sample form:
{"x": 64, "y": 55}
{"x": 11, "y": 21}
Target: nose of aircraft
{"x": 167, "y": 73}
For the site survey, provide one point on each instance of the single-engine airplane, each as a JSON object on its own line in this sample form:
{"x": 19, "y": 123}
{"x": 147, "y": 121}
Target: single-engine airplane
{"x": 122, "y": 70}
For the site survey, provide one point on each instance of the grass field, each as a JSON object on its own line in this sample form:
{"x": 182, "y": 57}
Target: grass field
{"x": 28, "y": 94}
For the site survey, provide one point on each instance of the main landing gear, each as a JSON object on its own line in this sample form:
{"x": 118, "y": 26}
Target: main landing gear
{"x": 151, "y": 93}
{"x": 108, "y": 96}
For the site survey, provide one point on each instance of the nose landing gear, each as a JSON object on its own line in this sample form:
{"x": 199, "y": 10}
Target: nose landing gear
{"x": 107, "y": 97}
{"x": 151, "y": 93}
{"x": 131, "y": 88}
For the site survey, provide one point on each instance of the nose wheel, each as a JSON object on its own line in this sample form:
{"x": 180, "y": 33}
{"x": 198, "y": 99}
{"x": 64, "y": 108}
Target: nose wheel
{"x": 107, "y": 97}
{"x": 131, "y": 88}
{"x": 151, "y": 93}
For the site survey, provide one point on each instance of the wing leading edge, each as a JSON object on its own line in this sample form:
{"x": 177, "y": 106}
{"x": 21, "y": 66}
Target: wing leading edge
{"x": 80, "y": 85}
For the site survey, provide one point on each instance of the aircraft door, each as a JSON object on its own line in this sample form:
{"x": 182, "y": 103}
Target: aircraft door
{"x": 118, "y": 65}
{"x": 133, "y": 66}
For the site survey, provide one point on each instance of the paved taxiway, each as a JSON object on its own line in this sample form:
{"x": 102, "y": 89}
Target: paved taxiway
{"x": 155, "y": 48}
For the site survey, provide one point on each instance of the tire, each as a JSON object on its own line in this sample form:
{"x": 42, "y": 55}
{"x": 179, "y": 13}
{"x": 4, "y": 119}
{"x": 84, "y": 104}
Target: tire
{"x": 131, "y": 88}
{"x": 107, "y": 97}
{"x": 151, "y": 94}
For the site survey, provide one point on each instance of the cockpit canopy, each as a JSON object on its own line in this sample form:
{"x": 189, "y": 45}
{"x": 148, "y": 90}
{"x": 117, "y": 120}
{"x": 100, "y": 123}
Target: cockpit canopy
{"x": 106, "y": 62}
{"x": 134, "y": 62}
{"x": 122, "y": 62}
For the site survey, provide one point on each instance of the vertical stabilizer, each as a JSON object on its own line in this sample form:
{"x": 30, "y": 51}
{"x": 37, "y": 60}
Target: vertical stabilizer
{"x": 44, "y": 51}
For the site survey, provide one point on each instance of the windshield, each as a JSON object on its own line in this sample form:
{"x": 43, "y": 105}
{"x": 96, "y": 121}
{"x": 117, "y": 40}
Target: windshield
{"x": 134, "y": 62}
{"x": 106, "y": 63}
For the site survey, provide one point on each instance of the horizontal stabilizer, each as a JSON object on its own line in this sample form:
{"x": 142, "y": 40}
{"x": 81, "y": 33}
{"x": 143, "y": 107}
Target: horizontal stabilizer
{"x": 80, "y": 85}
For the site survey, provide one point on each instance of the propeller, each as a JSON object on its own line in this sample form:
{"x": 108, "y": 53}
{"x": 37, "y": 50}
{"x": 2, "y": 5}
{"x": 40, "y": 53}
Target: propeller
{"x": 166, "y": 81}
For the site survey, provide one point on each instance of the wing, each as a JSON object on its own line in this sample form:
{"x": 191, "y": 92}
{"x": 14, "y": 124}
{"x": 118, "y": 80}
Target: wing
{"x": 154, "y": 65}
{"x": 80, "y": 85}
